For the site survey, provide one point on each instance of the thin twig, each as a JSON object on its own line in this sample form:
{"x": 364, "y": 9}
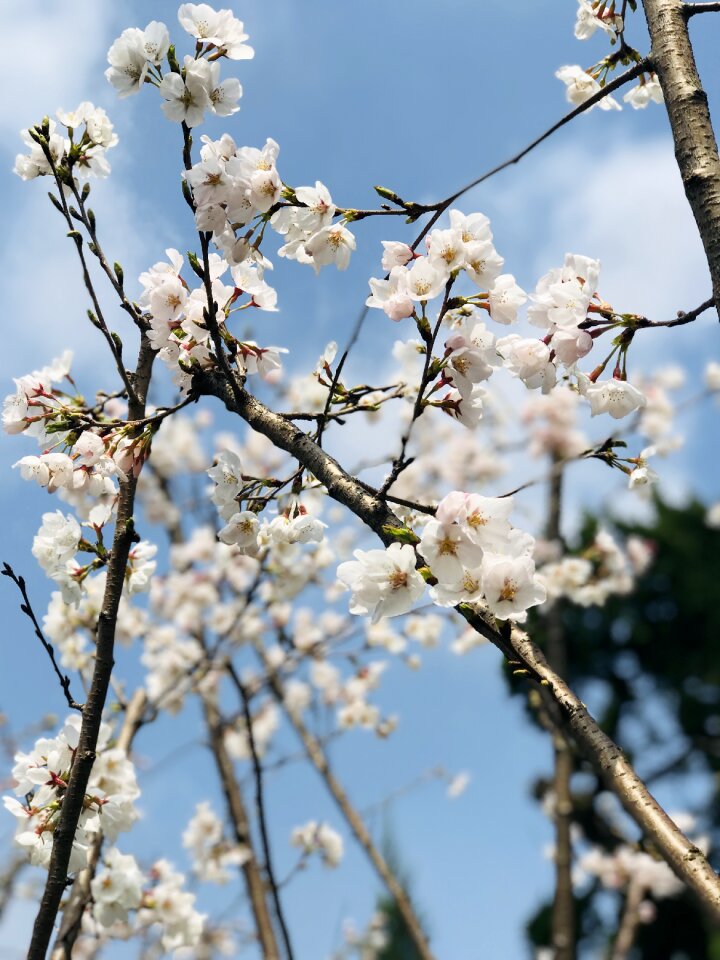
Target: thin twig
{"x": 690, "y": 9}
{"x": 443, "y": 205}
{"x": 681, "y": 318}
{"x": 260, "y": 803}
{"x": 401, "y": 463}
{"x": 318, "y": 758}
{"x": 97, "y": 319}
{"x": 116, "y": 280}
{"x": 25, "y": 606}
{"x": 254, "y": 882}
{"x": 642, "y": 323}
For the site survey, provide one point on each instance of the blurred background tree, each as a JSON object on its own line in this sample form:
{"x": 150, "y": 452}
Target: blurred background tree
{"x": 655, "y": 653}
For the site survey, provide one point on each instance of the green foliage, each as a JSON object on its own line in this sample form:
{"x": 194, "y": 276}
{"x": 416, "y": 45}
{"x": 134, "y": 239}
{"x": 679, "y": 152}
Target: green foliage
{"x": 400, "y": 945}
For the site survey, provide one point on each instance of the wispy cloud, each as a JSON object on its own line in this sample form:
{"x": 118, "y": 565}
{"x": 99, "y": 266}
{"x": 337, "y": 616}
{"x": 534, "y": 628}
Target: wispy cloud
{"x": 65, "y": 56}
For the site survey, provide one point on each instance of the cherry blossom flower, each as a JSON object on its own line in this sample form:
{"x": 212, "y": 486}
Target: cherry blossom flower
{"x": 384, "y": 583}
{"x": 392, "y": 295}
{"x": 227, "y": 475}
{"x": 581, "y": 86}
{"x": 510, "y": 586}
{"x": 458, "y": 784}
{"x": 186, "y": 99}
{"x": 241, "y": 531}
{"x": 648, "y": 90}
{"x": 529, "y": 360}
{"x": 217, "y": 27}
{"x": 331, "y": 244}
{"x": 117, "y": 889}
{"x": 128, "y": 62}
{"x": 482, "y": 263}
{"x": 215, "y": 859}
{"x": 316, "y": 837}
{"x": 448, "y": 550}
{"x": 591, "y": 17}
{"x": 642, "y": 474}
{"x": 712, "y": 376}
{"x": 473, "y": 227}
{"x": 505, "y": 297}
{"x": 616, "y": 397}
{"x": 424, "y": 280}
{"x": 395, "y": 254}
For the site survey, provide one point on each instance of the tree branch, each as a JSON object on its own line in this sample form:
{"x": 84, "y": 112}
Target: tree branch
{"x": 80, "y": 895}
{"x": 696, "y": 148}
{"x": 237, "y": 814}
{"x": 682, "y": 317}
{"x": 629, "y": 922}
{"x": 688, "y": 862}
{"x": 74, "y": 798}
{"x": 317, "y": 757}
{"x": 25, "y": 606}
{"x": 690, "y": 9}
{"x": 563, "y": 912}
{"x": 260, "y": 805}
{"x": 642, "y": 323}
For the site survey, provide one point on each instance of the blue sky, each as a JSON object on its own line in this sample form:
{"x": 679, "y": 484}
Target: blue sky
{"x": 420, "y": 99}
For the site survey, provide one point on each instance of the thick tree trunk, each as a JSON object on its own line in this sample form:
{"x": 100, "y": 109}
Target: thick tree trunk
{"x": 696, "y": 148}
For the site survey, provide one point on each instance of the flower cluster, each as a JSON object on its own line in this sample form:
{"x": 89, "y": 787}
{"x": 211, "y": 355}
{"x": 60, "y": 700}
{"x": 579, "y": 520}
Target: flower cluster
{"x": 472, "y": 552}
{"x": 598, "y": 572}
{"x": 41, "y": 779}
{"x": 37, "y": 408}
{"x": 168, "y": 904}
{"x": 581, "y": 85}
{"x": 564, "y": 305}
{"x": 319, "y": 838}
{"x": 212, "y": 854}
{"x": 136, "y": 58}
{"x": 594, "y": 15}
{"x": 242, "y": 528}
{"x": 466, "y": 246}
{"x": 75, "y": 157}
{"x": 178, "y": 328}
{"x": 233, "y": 186}
{"x": 72, "y": 628}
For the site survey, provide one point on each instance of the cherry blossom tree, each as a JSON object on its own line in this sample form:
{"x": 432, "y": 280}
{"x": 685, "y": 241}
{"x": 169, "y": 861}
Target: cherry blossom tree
{"x": 259, "y": 579}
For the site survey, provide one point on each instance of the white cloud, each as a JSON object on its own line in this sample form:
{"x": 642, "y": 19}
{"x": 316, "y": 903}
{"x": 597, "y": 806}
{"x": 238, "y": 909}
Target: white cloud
{"x": 67, "y": 47}
{"x": 45, "y": 300}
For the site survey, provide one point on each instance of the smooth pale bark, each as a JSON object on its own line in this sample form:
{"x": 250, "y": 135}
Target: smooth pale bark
{"x": 686, "y": 102}
{"x": 629, "y": 922}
